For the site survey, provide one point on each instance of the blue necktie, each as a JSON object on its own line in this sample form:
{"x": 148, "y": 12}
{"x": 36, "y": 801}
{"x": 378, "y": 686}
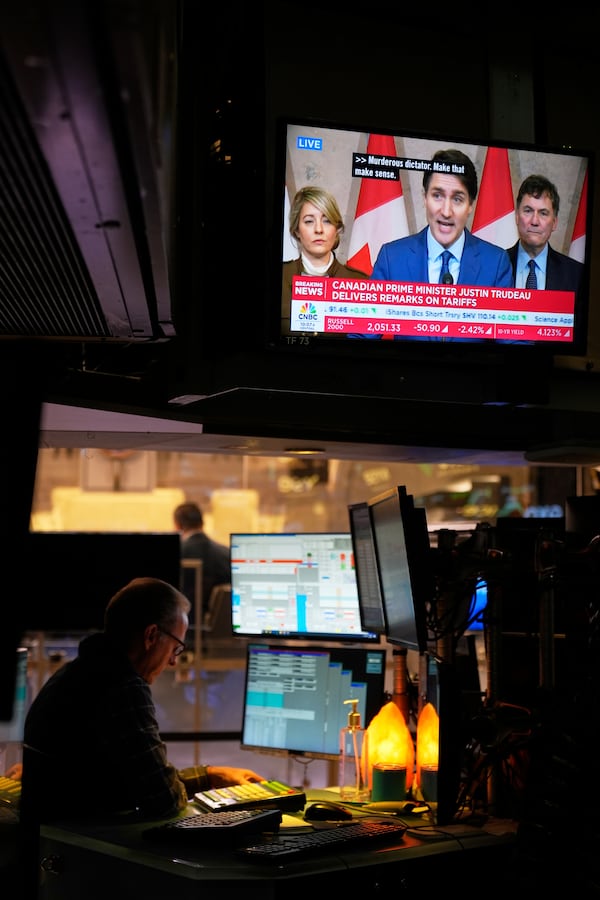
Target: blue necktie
{"x": 531, "y": 282}
{"x": 445, "y": 277}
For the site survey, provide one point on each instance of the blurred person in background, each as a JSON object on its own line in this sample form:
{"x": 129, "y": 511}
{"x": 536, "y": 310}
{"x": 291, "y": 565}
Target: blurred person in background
{"x": 196, "y": 544}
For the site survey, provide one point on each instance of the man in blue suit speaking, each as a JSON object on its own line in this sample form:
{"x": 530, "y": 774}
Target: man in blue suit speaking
{"x": 445, "y": 250}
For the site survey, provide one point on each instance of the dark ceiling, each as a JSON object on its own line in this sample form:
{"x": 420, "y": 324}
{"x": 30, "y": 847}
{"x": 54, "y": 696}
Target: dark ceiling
{"x": 101, "y": 255}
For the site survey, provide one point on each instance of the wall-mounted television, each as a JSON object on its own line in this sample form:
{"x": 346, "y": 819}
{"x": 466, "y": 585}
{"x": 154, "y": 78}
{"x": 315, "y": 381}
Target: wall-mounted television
{"x": 392, "y": 298}
{"x": 295, "y": 585}
{"x": 293, "y": 702}
{"x": 404, "y": 566}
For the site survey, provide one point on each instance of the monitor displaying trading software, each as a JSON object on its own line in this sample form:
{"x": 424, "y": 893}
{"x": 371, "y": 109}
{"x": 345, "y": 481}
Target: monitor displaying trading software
{"x": 300, "y": 585}
{"x": 294, "y": 696}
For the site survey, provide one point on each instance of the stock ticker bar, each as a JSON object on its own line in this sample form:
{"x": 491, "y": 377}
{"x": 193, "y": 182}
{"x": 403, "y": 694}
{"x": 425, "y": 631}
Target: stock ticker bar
{"x": 411, "y": 309}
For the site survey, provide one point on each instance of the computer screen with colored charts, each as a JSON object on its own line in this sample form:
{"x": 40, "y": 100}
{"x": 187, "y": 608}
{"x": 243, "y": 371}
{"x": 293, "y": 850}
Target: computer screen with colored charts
{"x": 294, "y": 696}
{"x": 300, "y": 585}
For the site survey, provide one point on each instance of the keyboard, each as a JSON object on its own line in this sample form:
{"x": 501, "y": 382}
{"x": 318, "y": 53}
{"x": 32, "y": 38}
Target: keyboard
{"x": 227, "y": 825}
{"x": 249, "y": 796}
{"x": 289, "y": 847}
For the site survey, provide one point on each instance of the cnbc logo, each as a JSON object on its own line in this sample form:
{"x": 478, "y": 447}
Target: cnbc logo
{"x": 308, "y": 312}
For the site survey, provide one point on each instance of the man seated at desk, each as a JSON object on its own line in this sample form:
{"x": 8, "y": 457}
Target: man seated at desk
{"x": 92, "y": 741}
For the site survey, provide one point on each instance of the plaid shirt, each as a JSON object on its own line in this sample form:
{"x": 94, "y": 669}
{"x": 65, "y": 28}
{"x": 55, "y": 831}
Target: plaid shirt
{"x": 94, "y": 740}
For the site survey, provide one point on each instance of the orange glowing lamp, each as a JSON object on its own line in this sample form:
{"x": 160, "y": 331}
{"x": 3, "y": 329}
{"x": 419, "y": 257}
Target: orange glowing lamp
{"x": 428, "y": 740}
{"x": 389, "y": 741}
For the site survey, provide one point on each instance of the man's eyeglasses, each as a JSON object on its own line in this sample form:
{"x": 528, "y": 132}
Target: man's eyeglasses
{"x": 178, "y": 650}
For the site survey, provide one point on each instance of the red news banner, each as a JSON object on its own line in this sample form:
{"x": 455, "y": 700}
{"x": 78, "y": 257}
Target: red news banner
{"x": 409, "y": 309}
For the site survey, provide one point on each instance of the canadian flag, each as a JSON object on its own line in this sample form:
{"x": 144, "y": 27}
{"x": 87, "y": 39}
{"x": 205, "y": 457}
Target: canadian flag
{"x": 494, "y": 218}
{"x": 289, "y": 248}
{"x": 380, "y": 211}
{"x": 577, "y": 249}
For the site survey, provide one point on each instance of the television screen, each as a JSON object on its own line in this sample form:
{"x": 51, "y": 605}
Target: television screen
{"x": 404, "y": 566}
{"x": 294, "y": 696}
{"x": 365, "y": 563}
{"x": 295, "y": 585}
{"x": 365, "y": 189}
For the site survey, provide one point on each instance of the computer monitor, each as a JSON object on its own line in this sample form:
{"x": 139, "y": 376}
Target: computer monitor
{"x": 300, "y": 585}
{"x": 475, "y": 621}
{"x": 293, "y": 702}
{"x": 404, "y": 565}
{"x": 72, "y": 575}
{"x": 12, "y": 731}
{"x": 365, "y": 564}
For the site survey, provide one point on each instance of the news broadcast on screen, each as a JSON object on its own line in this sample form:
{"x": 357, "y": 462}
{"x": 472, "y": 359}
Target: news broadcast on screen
{"x": 376, "y": 180}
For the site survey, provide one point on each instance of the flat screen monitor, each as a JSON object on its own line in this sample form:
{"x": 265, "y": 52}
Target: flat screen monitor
{"x": 404, "y": 565}
{"x": 376, "y": 178}
{"x": 12, "y": 730}
{"x": 72, "y": 575}
{"x": 300, "y": 585}
{"x": 479, "y": 600}
{"x": 294, "y": 696}
{"x": 365, "y": 563}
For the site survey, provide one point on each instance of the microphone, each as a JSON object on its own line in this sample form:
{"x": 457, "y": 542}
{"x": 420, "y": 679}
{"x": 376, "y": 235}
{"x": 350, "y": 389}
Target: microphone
{"x": 447, "y": 278}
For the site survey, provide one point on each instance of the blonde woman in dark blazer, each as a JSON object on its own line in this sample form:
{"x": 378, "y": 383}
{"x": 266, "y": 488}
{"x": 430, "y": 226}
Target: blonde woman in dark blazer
{"x": 315, "y": 225}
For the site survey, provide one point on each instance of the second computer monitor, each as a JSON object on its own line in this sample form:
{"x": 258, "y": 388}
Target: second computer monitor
{"x": 404, "y": 566}
{"x": 295, "y": 697}
{"x": 365, "y": 561}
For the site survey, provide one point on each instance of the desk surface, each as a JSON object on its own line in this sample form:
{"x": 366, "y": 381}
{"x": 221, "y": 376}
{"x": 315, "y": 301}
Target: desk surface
{"x": 124, "y": 842}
